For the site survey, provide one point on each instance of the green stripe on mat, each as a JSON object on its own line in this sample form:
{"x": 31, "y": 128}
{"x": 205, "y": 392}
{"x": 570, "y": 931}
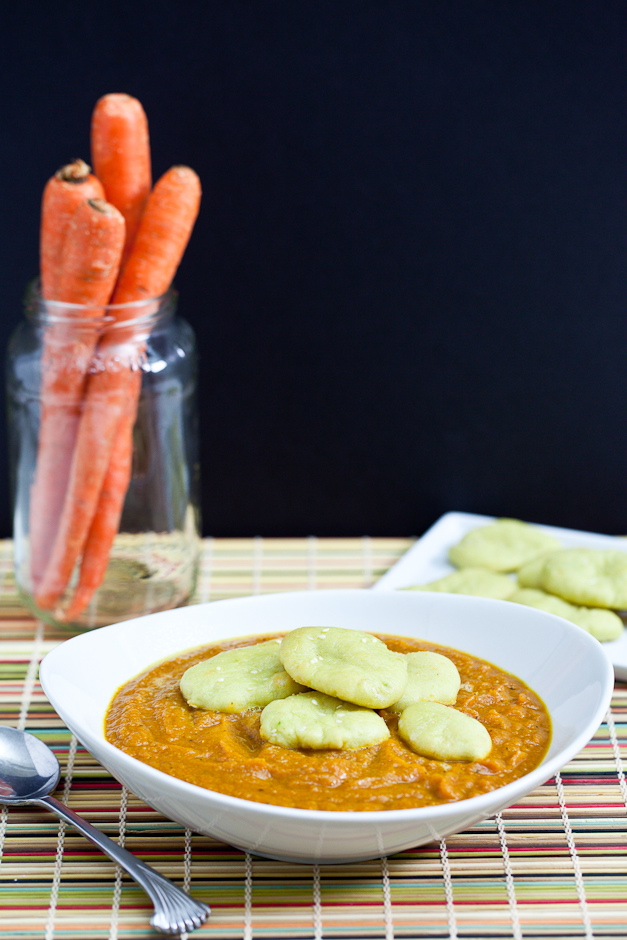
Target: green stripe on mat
{"x": 518, "y": 881}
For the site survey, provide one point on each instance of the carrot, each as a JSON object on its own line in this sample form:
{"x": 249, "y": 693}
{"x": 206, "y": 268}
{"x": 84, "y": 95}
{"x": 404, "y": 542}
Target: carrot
{"x": 63, "y": 192}
{"x": 104, "y": 410}
{"x": 162, "y": 236}
{"x": 92, "y": 250}
{"x": 111, "y": 394}
{"x": 89, "y": 265}
{"x": 106, "y": 521}
{"x": 120, "y": 152}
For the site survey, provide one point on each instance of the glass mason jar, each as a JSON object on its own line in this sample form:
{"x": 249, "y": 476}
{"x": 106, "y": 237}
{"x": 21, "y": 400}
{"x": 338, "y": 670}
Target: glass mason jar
{"x": 103, "y": 445}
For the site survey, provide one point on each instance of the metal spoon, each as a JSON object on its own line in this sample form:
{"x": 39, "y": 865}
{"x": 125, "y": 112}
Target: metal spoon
{"x": 29, "y": 772}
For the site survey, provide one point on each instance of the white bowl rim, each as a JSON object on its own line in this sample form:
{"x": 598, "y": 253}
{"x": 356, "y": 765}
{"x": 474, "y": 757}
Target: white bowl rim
{"x": 481, "y": 805}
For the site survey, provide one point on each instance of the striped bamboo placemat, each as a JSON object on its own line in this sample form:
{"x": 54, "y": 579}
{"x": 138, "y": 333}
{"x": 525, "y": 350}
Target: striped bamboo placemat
{"x": 554, "y": 865}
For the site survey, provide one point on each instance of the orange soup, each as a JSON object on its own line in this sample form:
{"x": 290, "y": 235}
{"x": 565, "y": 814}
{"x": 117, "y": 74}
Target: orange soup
{"x": 150, "y": 720}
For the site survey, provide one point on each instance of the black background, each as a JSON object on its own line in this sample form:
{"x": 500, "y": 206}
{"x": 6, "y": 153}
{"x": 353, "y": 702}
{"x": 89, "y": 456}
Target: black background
{"x": 408, "y": 280}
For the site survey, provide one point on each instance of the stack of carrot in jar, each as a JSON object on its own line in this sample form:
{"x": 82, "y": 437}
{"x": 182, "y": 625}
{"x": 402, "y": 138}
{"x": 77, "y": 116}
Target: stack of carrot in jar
{"x": 107, "y": 238}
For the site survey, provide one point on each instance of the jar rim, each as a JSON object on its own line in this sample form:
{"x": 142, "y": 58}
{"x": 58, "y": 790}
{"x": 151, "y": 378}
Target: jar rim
{"x": 108, "y": 314}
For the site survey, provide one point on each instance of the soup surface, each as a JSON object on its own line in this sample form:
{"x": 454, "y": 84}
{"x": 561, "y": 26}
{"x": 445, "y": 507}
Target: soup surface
{"x": 149, "y": 719}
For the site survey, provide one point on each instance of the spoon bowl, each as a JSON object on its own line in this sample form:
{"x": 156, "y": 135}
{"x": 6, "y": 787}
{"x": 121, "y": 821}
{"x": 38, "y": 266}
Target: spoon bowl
{"x": 28, "y": 769}
{"x": 29, "y": 772}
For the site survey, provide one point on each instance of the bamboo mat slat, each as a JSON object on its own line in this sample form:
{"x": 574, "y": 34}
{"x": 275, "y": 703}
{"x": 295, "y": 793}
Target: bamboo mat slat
{"x": 554, "y": 865}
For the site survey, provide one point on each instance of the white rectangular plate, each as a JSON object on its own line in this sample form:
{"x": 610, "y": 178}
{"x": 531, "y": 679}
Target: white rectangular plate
{"x": 428, "y": 559}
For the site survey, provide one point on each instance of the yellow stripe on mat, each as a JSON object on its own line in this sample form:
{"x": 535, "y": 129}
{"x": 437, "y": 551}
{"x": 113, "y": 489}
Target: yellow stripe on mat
{"x": 554, "y": 865}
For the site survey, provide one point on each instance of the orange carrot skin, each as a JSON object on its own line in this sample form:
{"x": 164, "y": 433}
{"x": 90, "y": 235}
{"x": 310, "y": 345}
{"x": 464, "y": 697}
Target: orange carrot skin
{"x": 162, "y": 236}
{"x": 91, "y": 256}
{"x": 89, "y": 266}
{"x": 101, "y": 417}
{"x": 71, "y": 185}
{"x": 90, "y": 262}
{"x": 106, "y": 522}
{"x": 161, "y": 239}
{"x": 120, "y": 149}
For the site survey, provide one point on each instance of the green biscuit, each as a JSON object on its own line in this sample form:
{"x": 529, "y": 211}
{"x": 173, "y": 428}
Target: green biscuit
{"x": 238, "y": 679}
{"x": 347, "y": 664}
{"x": 604, "y": 625}
{"x": 443, "y": 733}
{"x": 530, "y": 575}
{"x": 591, "y": 577}
{"x": 504, "y": 545}
{"x": 318, "y": 721}
{"x": 532, "y": 597}
{"x": 431, "y": 677}
{"x": 480, "y": 582}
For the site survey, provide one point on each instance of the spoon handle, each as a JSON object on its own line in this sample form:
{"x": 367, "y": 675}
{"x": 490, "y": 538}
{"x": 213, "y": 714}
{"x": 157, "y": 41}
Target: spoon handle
{"x": 175, "y": 911}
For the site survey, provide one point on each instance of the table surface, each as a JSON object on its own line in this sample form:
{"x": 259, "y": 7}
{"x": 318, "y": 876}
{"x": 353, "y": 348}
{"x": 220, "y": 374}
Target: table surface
{"x": 553, "y": 865}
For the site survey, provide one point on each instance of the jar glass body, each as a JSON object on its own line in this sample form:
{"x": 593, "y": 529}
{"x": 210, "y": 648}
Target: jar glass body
{"x": 103, "y": 443}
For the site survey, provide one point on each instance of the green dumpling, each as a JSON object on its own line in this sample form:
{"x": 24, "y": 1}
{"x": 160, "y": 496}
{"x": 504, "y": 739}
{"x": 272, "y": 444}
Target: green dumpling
{"x": 504, "y": 545}
{"x": 592, "y": 577}
{"x": 479, "y": 582}
{"x": 602, "y": 624}
{"x": 238, "y": 679}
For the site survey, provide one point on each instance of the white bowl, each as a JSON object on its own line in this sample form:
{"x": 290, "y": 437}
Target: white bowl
{"x": 565, "y": 666}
